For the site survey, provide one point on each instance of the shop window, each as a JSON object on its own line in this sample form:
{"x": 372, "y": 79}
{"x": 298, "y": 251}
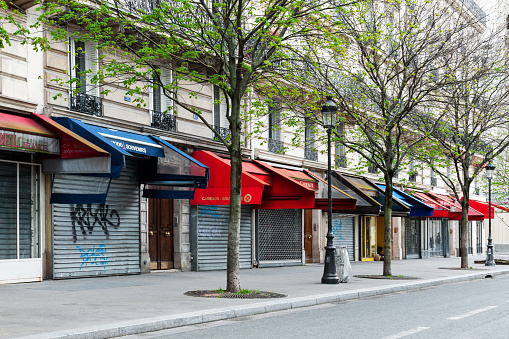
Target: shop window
{"x": 19, "y": 211}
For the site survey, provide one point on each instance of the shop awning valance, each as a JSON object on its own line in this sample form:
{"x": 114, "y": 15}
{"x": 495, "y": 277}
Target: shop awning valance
{"x": 399, "y": 205}
{"x": 218, "y": 189}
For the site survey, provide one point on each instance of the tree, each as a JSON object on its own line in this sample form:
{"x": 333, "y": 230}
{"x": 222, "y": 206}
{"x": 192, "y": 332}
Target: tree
{"x": 473, "y": 120}
{"x": 226, "y": 43}
{"x": 382, "y": 62}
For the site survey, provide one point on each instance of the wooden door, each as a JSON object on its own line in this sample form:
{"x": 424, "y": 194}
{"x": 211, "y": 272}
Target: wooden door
{"x": 160, "y": 230}
{"x": 308, "y": 235}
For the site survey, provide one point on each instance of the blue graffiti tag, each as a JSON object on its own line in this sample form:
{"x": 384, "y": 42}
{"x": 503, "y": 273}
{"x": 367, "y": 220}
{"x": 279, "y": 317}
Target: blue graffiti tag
{"x": 337, "y": 225}
{"x": 94, "y": 256}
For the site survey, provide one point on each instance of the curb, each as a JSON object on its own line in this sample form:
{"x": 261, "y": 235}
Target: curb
{"x": 192, "y": 318}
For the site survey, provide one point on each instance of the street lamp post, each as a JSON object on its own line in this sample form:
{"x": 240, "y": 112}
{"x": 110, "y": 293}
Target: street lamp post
{"x": 490, "y": 168}
{"x": 329, "y": 110}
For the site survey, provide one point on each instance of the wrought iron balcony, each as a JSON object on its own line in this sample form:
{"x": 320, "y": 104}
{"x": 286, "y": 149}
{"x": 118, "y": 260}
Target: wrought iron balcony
{"x": 88, "y": 104}
{"x": 276, "y": 146}
{"x": 433, "y": 181}
{"x": 164, "y": 121}
{"x": 224, "y": 132}
{"x": 341, "y": 161}
{"x": 373, "y": 169}
{"x": 310, "y": 154}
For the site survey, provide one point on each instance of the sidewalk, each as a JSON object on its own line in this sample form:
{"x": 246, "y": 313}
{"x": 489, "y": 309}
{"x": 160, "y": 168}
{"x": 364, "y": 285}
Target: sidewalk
{"x": 113, "y": 306}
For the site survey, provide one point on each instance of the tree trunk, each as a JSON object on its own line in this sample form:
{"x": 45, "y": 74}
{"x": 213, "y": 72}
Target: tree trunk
{"x": 387, "y": 230}
{"x": 232, "y": 266}
{"x": 464, "y": 232}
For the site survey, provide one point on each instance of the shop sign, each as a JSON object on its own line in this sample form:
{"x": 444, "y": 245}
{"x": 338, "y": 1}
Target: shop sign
{"x": 29, "y": 142}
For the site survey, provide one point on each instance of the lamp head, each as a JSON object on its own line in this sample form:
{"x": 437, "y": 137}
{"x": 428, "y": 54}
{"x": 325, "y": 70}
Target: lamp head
{"x": 329, "y": 110}
{"x": 490, "y": 169}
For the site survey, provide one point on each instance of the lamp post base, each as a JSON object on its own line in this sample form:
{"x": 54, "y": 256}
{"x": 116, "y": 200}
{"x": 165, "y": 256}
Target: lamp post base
{"x": 490, "y": 261}
{"x": 329, "y": 271}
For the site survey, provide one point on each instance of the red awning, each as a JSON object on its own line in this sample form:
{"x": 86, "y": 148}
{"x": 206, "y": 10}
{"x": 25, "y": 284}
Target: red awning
{"x": 218, "y": 187}
{"x": 483, "y": 208}
{"x": 72, "y": 146}
{"x": 439, "y": 211}
{"x": 505, "y": 209}
{"x": 16, "y": 123}
{"x": 455, "y": 208}
{"x": 285, "y": 191}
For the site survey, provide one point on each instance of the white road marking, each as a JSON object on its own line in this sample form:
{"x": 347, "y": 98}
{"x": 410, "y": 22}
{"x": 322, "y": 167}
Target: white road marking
{"x": 407, "y": 333}
{"x": 472, "y": 313}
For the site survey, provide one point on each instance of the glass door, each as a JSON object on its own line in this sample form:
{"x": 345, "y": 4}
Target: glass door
{"x": 368, "y": 238}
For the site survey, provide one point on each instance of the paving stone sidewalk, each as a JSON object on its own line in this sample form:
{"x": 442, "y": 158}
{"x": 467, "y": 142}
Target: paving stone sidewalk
{"x": 105, "y": 307}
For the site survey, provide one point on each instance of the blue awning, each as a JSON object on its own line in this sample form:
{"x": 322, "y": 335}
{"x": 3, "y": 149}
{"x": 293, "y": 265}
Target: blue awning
{"x": 417, "y": 207}
{"x": 167, "y": 172}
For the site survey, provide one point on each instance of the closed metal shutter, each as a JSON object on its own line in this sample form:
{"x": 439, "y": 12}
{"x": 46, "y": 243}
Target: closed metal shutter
{"x": 342, "y": 230}
{"x": 412, "y": 238}
{"x": 92, "y": 240}
{"x": 212, "y": 237}
{"x": 279, "y": 237}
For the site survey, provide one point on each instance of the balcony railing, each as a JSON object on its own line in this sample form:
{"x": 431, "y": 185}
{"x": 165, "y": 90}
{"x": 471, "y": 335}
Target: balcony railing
{"x": 88, "y": 104}
{"x": 373, "y": 169}
{"x": 164, "y": 121}
{"x": 341, "y": 161}
{"x": 276, "y": 146}
{"x": 224, "y": 132}
{"x": 310, "y": 154}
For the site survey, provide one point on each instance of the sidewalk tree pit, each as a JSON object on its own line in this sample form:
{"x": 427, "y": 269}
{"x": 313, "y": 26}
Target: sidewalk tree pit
{"x": 243, "y": 294}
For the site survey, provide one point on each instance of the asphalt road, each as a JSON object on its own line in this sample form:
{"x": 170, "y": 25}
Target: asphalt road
{"x": 474, "y": 309}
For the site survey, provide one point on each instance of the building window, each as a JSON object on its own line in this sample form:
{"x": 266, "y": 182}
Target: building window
{"x": 275, "y": 142}
{"x": 161, "y": 106}
{"x": 433, "y": 178}
{"x": 340, "y": 148}
{"x": 412, "y": 173}
{"x": 220, "y": 109}
{"x": 373, "y": 169}
{"x": 83, "y": 65}
{"x": 310, "y": 153}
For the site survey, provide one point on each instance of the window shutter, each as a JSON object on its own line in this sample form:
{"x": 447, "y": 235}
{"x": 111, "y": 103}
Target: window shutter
{"x": 166, "y": 78}
{"x": 91, "y": 63}
{"x": 217, "y": 107}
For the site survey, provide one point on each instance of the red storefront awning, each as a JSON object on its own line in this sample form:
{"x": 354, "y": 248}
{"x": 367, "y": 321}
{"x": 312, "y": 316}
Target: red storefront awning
{"x": 483, "y": 208}
{"x": 286, "y": 191}
{"x": 300, "y": 190}
{"x": 455, "y": 208}
{"x": 439, "y": 211}
{"x": 254, "y": 179}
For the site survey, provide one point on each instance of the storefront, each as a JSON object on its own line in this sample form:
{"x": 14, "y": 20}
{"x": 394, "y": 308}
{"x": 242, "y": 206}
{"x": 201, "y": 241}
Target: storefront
{"x": 280, "y": 224}
{"x": 366, "y": 209}
{"x": 408, "y": 243}
{"x": 25, "y": 140}
{"x": 96, "y": 217}
{"x": 210, "y": 211}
